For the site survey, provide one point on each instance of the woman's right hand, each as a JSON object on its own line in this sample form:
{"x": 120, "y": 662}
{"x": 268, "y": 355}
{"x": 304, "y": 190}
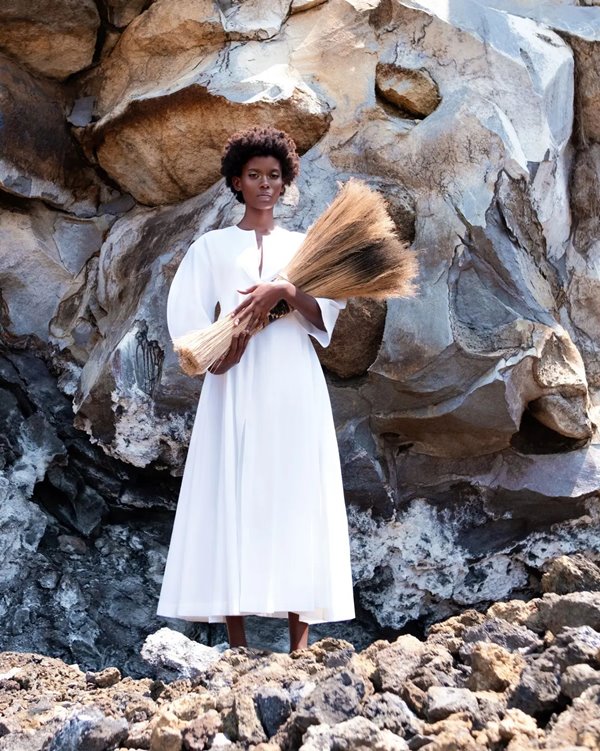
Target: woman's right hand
{"x": 239, "y": 341}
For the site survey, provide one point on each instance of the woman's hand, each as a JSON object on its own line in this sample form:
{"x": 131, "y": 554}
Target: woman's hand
{"x": 234, "y": 354}
{"x": 254, "y": 310}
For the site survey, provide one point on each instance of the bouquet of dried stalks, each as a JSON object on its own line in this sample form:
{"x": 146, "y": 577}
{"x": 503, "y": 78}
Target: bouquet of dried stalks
{"x": 351, "y": 250}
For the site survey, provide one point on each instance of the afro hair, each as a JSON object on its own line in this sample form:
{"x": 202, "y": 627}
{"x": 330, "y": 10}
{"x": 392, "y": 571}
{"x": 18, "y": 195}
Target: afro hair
{"x": 258, "y": 141}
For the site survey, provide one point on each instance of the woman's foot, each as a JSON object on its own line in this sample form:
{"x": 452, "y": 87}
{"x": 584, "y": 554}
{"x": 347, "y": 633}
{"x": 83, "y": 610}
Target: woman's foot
{"x": 298, "y": 632}
{"x": 235, "y": 630}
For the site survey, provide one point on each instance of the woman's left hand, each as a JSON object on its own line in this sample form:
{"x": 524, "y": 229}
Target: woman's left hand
{"x": 261, "y": 299}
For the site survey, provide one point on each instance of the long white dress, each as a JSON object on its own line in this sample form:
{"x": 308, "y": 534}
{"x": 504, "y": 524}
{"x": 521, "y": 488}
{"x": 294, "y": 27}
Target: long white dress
{"x": 261, "y": 524}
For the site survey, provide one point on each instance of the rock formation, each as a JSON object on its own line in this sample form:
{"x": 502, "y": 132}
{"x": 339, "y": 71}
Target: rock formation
{"x": 466, "y": 416}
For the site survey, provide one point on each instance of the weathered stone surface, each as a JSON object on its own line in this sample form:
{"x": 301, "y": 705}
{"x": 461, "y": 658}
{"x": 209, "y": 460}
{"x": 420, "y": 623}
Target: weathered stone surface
{"x": 55, "y": 40}
{"x": 38, "y": 156}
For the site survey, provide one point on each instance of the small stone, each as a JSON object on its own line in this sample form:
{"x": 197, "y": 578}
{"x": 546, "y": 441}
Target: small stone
{"x": 166, "y": 735}
{"x": 105, "y": 678}
{"x": 201, "y": 733}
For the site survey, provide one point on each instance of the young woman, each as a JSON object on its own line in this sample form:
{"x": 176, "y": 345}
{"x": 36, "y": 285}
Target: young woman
{"x": 261, "y": 523}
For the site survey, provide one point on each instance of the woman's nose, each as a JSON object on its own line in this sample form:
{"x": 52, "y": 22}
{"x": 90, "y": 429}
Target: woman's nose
{"x": 264, "y": 180}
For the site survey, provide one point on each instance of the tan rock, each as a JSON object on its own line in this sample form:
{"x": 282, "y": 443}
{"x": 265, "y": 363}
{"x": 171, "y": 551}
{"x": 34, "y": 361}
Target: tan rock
{"x": 413, "y": 91}
{"x": 166, "y": 734}
{"x": 157, "y": 48}
{"x": 493, "y": 667}
{"x": 188, "y": 126}
{"x": 571, "y": 573}
{"x": 55, "y": 40}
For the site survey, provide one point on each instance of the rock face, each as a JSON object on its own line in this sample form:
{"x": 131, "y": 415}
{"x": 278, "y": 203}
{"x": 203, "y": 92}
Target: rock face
{"x": 455, "y": 689}
{"x": 466, "y": 416}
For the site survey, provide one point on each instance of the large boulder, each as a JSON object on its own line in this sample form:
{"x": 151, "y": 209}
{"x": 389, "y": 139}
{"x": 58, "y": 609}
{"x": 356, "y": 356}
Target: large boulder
{"x": 55, "y": 39}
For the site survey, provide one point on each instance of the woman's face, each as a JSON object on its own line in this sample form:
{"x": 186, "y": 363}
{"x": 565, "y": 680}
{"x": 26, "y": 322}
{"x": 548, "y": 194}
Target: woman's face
{"x": 261, "y": 182}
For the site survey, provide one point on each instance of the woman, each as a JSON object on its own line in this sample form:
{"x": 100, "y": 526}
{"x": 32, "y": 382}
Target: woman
{"x": 261, "y": 522}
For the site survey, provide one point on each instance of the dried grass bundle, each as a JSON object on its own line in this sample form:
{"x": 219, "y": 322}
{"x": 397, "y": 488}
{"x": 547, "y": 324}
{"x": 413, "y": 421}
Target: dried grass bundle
{"x": 351, "y": 250}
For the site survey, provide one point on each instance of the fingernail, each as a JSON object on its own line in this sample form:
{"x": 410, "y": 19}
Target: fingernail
{"x": 236, "y": 322}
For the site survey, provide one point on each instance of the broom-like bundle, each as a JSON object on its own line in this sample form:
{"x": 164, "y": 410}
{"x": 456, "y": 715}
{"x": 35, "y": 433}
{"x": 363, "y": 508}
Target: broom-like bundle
{"x": 351, "y": 250}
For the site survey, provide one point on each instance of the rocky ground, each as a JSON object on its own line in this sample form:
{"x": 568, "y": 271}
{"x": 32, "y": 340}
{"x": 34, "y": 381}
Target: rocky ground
{"x": 522, "y": 675}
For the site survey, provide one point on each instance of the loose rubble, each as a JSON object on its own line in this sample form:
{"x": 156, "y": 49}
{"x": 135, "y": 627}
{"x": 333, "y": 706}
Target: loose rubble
{"x": 522, "y": 675}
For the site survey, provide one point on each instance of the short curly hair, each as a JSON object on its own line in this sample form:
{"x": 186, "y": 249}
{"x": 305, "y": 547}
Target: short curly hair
{"x": 258, "y": 141}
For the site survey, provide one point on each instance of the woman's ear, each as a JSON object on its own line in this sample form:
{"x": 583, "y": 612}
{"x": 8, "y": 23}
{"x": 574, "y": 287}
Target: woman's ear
{"x": 237, "y": 183}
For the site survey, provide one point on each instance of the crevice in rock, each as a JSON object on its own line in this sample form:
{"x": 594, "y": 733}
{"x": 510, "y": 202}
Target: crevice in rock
{"x": 534, "y": 438}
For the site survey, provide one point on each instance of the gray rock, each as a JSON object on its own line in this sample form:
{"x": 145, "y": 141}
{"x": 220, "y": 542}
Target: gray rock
{"x": 273, "y": 706}
{"x": 388, "y": 711}
{"x": 89, "y": 730}
{"x": 335, "y": 699}
{"x": 171, "y": 655}
{"x": 512, "y": 637}
{"x": 442, "y": 701}
{"x": 577, "y": 678}
{"x": 538, "y": 689}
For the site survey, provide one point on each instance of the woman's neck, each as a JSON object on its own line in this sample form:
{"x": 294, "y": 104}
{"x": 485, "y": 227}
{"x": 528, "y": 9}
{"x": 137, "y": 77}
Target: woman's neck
{"x": 260, "y": 221}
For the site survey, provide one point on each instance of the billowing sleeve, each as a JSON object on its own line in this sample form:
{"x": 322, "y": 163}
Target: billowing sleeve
{"x": 330, "y": 309}
{"x": 192, "y": 295}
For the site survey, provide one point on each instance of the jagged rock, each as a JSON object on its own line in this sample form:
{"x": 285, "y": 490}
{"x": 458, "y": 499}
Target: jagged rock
{"x": 172, "y": 655}
{"x": 579, "y": 724}
{"x": 538, "y": 689}
{"x": 273, "y": 706}
{"x": 574, "y": 573}
{"x": 89, "y": 730}
{"x": 390, "y": 712}
{"x": 493, "y": 668}
{"x": 40, "y": 158}
{"x": 554, "y": 612}
{"x": 577, "y": 678}
{"x": 55, "y": 40}
{"x": 513, "y": 638}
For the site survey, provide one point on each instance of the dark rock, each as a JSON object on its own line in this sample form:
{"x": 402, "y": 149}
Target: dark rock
{"x": 538, "y": 689}
{"x": 273, "y": 706}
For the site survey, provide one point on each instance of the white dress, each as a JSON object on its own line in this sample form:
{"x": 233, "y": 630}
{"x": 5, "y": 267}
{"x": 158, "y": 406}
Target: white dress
{"x": 261, "y": 524}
